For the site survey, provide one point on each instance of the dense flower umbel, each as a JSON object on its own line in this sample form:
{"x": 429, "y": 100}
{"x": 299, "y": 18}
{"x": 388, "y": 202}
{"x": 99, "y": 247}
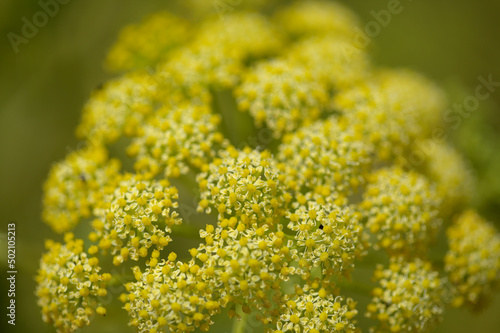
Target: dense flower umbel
{"x": 176, "y": 139}
{"x": 321, "y": 184}
{"x": 411, "y": 297}
{"x": 170, "y": 295}
{"x": 473, "y": 260}
{"x": 325, "y": 237}
{"x": 282, "y": 95}
{"x": 75, "y": 186}
{"x": 443, "y": 165}
{"x": 314, "y": 309}
{"x": 324, "y": 160}
{"x": 402, "y": 211}
{"x": 391, "y": 109}
{"x": 119, "y": 108}
{"x": 246, "y": 185}
{"x": 70, "y": 285}
{"x": 138, "y": 216}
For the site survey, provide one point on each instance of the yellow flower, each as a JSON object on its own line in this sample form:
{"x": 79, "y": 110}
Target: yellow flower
{"x": 244, "y": 184}
{"x": 392, "y": 108}
{"x": 411, "y": 297}
{"x": 177, "y": 139}
{"x": 69, "y": 285}
{"x": 170, "y": 296}
{"x": 282, "y": 95}
{"x": 316, "y": 17}
{"x": 325, "y": 160}
{"x": 473, "y": 260}
{"x": 147, "y": 43}
{"x": 402, "y": 211}
{"x": 139, "y": 215}
{"x": 118, "y": 108}
{"x": 75, "y": 186}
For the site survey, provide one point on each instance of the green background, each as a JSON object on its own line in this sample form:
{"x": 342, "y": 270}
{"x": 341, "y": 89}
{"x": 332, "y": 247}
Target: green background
{"x": 43, "y": 88}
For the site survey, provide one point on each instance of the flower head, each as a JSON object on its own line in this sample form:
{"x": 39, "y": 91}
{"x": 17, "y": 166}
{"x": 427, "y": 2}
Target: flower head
{"x": 177, "y": 139}
{"x": 146, "y": 44}
{"x": 244, "y": 184}
{"x": 139, "y": 215}
{"x": 325, "y": 160}
{"x": 74, "y": 186}
{"x": 119, "y": 108}
{"x": 282, "y": 95}
{"x": 170, "y": 295}
{"x": 402, "y": 210}
{"x": 70, "y": 285}
{"x": 473, "y": 260}
{"x": 410, "y": 297}
{"x": 391, "y": 109}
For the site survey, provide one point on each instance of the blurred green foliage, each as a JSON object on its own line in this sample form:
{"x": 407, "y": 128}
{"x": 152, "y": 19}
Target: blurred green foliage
{"x": 43, "y": 87}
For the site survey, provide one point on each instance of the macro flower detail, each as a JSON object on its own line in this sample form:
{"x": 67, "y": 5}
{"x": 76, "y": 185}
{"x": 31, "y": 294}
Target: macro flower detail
{"x": 325, "y": 237}
{"x": 410, "y": 297}
{"x": 402, "y": 211}
{"x": 473, "y": 260}
{"x": 70, "y": 285}
{"x": 246, "y": 185}
{"x": 169, "y": 295}
{"x": 391, "y": 109}
{"x": 281, "y": 95}
{"x": 174, "y": 140}
{"x": 315, "y": 310}
{"x": 146, "y": 44}
{"x": 139, "y": 215}
{"x": 118, "y": 108}
{"x": 324, "y": 160}
{"x": 444, "y": 165}
{"x": 246, "y": 264}
{"x": 74, "y": 187}
{"x": 251, "y": 169}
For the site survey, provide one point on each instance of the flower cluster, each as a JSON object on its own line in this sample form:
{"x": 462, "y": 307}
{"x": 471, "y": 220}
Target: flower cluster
{"x": 327, "y": 237}
{"x": 146, "y": 44}
{"x": 334, "y": 61}
{"x": 246, "y": 185}
{"x": 449, "y": 171}
{"x": 391, "y": 109}
{"x": 324, "y": 160}
{"x": 70, "y": 285}
{"x": 169, "y": 295}
{"x": 118, "y": 108}
{"x": 281, "y": 95}
{"x": 314, "y": 309}
{"x": 410, "y": 297}
{"x": 306, "y": 18}
{"x": 176, "y": 139}
{"x": 280, "y": 223}
{"x": 75, "y": 187}
{"x": 137, "y": 216}
{"x": 402, "y": 210}
{"x": 473, "y": 260}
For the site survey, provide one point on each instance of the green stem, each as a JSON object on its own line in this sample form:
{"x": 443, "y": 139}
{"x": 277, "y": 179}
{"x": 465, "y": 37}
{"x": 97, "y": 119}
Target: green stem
{"x": 356, "y": 287}
{"x": 239, "y": 325}
{"x": 186, "y": 231}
